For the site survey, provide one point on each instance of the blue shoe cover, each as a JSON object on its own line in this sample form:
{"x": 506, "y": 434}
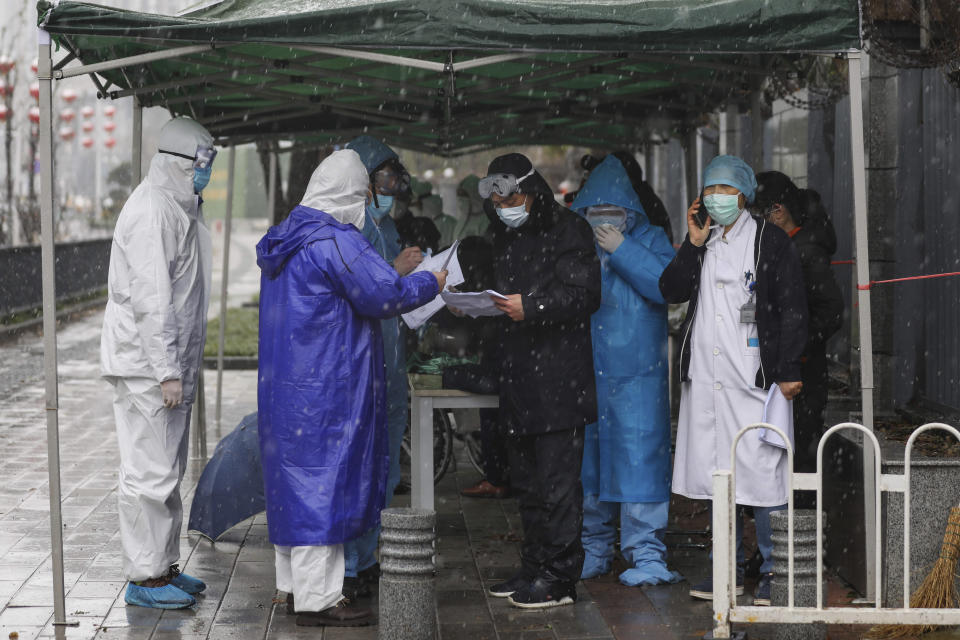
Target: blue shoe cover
{"x": 188, "y": 584}
{"x": 594, "y": 566}
{"x": 649, "y": 573}
{"x": 166, "y": 597}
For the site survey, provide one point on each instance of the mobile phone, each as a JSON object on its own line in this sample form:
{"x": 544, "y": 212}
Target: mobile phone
{"x": 701, "y": 216}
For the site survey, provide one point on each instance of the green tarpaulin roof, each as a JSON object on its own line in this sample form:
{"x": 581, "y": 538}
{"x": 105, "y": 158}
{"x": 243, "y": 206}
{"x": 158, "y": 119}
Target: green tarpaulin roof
{"x": 560, "y": 71}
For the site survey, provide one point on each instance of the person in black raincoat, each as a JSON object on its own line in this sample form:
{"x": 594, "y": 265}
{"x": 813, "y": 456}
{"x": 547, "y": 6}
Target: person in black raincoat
{"x": 801, "y": 214}
{"x": 546, "y": 264}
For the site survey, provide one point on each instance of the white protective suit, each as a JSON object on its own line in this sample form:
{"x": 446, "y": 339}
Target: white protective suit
{"x": 154, "y": 330}
{"x": 314, "y": 574}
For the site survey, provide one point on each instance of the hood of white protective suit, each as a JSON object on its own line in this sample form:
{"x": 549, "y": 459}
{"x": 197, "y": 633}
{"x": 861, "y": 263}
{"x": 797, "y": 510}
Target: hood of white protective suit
{"x": 339, "y": 187}
{"x": 174, "y": 173}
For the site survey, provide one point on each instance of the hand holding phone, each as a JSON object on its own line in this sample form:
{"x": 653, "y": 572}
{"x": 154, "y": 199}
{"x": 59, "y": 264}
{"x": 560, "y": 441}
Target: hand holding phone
{"x": 697, "y": 218}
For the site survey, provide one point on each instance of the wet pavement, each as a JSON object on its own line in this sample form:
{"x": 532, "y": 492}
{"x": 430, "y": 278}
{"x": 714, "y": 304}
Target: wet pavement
{"x": 477, "y": 539}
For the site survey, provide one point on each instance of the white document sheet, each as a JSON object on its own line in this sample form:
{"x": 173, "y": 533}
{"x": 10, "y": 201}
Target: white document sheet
{"x": 474, "y": 304}
{"x": 418, "y": 316}
{"x": 778, "y": 411}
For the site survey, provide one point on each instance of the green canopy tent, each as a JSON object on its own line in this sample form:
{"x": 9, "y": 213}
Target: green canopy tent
{"x": 440, "y": 76}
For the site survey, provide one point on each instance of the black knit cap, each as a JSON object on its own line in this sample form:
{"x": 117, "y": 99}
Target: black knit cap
{"x": 774, "y": 187}
{"x": 519, "y": 165}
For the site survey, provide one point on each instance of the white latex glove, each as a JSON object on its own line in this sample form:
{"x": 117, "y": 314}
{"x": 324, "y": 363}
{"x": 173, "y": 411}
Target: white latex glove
{"x": 172, "y": 391}
{"x": 608, "y": 237}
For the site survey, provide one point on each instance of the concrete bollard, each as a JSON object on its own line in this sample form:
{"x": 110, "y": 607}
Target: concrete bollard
{"x": 407, "y": 595}
{"x": 804, "y": 571}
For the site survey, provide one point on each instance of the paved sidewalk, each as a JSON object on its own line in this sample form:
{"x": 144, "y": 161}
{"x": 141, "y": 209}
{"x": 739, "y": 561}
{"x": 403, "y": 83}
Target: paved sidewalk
{"x": 477, "y": 539}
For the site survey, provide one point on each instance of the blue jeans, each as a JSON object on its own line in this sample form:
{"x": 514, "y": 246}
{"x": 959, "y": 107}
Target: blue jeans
{"x": 761, "y": 517}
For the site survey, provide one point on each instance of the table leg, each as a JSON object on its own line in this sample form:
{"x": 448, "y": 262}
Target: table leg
{"x": 421, "y": 440}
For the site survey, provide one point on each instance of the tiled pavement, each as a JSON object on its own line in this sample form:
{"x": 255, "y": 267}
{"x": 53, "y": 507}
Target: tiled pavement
{"x": 477, "y": 540}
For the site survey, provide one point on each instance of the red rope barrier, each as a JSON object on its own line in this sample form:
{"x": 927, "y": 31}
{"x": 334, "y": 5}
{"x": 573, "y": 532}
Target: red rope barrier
{"x": 843, "y": 262}
{"x": 866, "y": 287}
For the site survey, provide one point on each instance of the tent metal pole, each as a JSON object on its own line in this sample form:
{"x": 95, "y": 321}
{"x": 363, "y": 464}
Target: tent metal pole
{"x": 272, "y": 186}
{"x": 130, "y": 61}
{"x": 48, "y": 269}
{"x": 224, "y": 273}
{"x": 438, "y": 67}
{"x": 756, "y": 132}
{"x": 482, "y": 62}
{"x": 863, "y": 308}
{"x": 137, "y": 159}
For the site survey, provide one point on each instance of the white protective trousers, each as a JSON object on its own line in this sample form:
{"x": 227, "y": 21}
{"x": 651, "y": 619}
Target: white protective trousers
{"x": 153, "y": 458}
{"x": 314, "y": 575}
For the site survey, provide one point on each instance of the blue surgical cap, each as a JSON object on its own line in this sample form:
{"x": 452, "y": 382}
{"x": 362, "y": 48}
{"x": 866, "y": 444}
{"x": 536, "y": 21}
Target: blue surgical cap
{"x": 732, "y": 171}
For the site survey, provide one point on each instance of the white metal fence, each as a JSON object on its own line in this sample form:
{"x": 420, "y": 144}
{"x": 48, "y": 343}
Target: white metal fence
{"x": 725, "y": 606}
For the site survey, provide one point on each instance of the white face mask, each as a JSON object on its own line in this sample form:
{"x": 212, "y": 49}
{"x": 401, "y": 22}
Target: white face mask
{"x": 513, "y": 217}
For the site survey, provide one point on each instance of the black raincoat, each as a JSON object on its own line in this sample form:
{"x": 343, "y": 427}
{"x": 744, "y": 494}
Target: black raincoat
{"x": 546, "y": 375}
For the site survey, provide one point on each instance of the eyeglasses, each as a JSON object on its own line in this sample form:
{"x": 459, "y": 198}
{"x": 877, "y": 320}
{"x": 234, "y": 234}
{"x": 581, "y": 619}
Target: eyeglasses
{"x": 202, "y": 159}
{"x": 502, "y": 184}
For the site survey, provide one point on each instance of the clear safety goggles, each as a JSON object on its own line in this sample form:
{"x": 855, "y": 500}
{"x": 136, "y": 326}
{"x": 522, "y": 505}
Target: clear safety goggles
{"x": 391, "y": 180}
{"x": 201, "y": 160}
{"x": 606, "y": 214}
{"x": 502, "y": 184}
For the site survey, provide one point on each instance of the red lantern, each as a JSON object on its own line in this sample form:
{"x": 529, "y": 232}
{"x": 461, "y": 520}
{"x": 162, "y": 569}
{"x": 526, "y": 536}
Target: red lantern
{"x": 5, "y": 88}
{"x": 109, "y": 126}
{"x": 68, "y": 95}
{"x": 109, "y": 110}
{"x": 87, "y": 112}
{"x": 87, "y": 142}
{"x": 6, "y": 65}
{"x": 34, "y": 114}
{"x": 67, "y": 115}
{"x": 87, "y": 127}
{"x": 67, "y": 133}
{"x": 5, "y": 112}
{"x": 35, "y": 90}
{"x": 34, "y": 66}
{"x": 109, "y": 142}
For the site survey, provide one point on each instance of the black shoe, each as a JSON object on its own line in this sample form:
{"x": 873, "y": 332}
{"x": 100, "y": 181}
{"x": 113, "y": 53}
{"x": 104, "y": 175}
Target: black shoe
{"x": 290, "y": 608}
{"x": 355, "y": 588}
{"x": 342, "y": 614}
{"x": 761, "y": 597}
{"x": 704, "y": 590}
{"x": 508, "y": 587}
{"x": 541, "y": 594}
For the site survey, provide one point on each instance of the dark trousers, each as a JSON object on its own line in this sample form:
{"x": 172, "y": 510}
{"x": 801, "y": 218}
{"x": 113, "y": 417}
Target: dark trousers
{"x": 808, "y": 427}
{"x": 545, "y": 476}
{"x": 493, "y": 448}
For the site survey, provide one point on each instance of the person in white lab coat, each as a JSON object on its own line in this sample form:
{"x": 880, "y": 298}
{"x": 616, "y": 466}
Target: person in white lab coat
{"x": 151, "y": 347}
{"x": 745, "y": 330}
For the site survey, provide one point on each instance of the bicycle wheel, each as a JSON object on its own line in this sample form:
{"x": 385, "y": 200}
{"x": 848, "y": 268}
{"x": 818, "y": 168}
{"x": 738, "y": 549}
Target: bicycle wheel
{"x": 442, "y": 449}
{"x": 471, "y": 442}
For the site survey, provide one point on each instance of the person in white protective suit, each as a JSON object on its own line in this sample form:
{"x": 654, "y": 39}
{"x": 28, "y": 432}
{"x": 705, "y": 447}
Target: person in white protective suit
{"x": 151, "y": 347}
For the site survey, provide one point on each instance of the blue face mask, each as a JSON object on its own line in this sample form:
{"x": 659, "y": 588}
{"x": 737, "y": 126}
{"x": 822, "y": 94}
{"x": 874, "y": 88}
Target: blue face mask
{"x": 379, "y": 213}
{"x": 201, "y": 178}
{"x": 723, "y": 208}
{"x": 513, "y": 217}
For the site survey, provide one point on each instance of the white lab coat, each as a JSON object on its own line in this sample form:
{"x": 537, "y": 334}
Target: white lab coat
{"x": 154, "y": 329}
{"x": 720, "y": 397}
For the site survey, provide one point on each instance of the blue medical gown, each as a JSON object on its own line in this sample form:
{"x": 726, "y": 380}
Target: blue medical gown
{"x": 627, "y": 452}
{"x": 386, "y": 240}
{"x": 322, "y": 406}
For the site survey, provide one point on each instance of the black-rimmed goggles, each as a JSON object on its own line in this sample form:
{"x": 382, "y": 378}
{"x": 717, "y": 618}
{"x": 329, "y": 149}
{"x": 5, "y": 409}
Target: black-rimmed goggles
{"x": 203, "y": 158}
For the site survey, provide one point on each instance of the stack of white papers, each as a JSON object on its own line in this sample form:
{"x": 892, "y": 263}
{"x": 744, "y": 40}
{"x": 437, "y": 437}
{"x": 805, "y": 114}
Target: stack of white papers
{"x": 474, "y": 304}
{"x": 778, "y": 411}
{"x": 418, "y": 316}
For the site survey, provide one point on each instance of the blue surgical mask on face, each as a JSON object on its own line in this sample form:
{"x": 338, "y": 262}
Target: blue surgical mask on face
{"x": 378, "y": 213}
{"x": 201, "y": 178}
{"x": 513, "y": 217}
{"x": 722, "y": 207}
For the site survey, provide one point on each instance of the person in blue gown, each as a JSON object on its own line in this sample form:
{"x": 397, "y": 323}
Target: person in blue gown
{"x": 626, "y": 461}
